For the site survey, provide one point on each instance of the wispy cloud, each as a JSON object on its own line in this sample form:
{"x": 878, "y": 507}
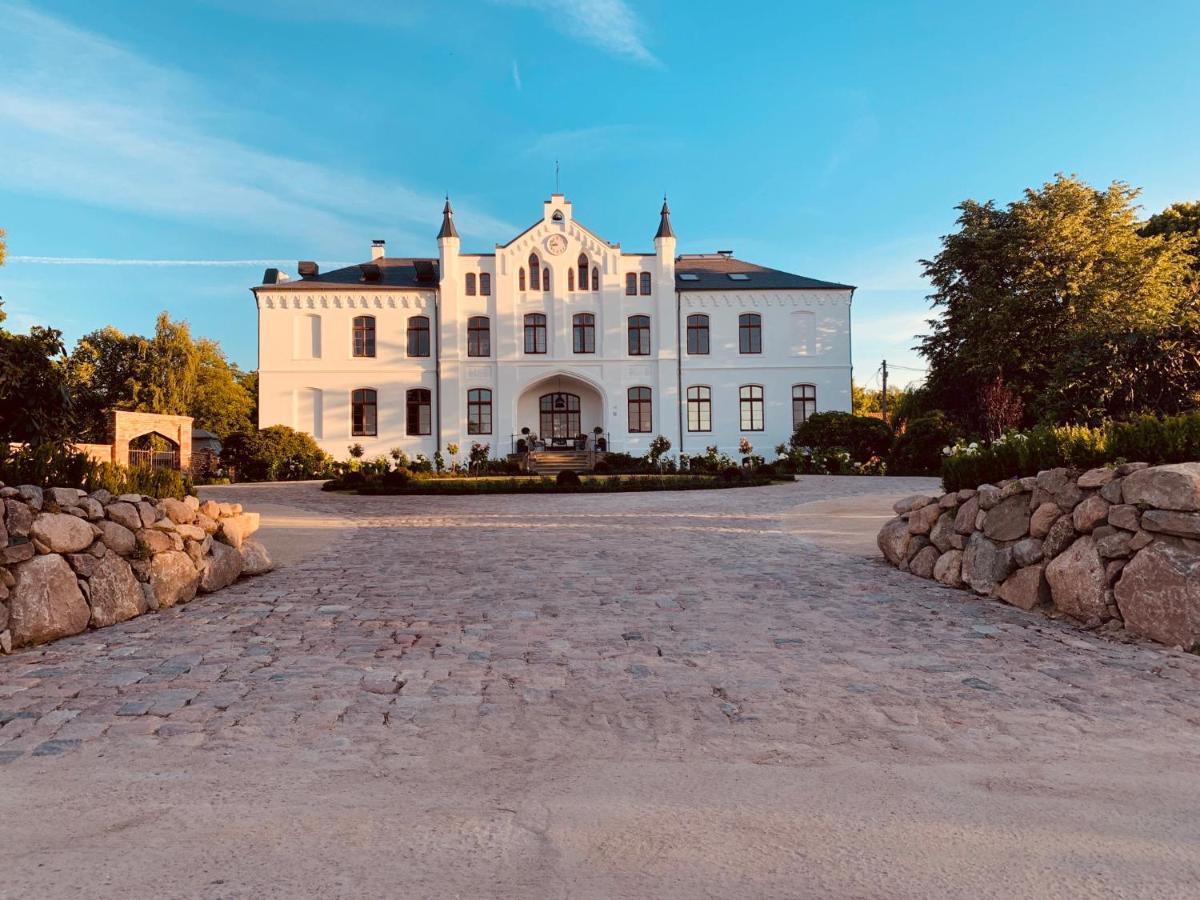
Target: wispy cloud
{"x": 608, "y": 24}
{"x": 516, "y": 75}
{"x": 86, "y": 119}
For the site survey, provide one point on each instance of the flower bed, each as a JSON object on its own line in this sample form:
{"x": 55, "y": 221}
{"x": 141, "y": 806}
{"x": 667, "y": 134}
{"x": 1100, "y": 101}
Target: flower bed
{"x": 1113, "y": 546}
{"x": 70, "y": 560}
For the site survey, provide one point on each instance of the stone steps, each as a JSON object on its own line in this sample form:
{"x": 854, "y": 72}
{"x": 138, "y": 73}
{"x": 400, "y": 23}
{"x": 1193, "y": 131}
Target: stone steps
{"x": 551, "y": 462}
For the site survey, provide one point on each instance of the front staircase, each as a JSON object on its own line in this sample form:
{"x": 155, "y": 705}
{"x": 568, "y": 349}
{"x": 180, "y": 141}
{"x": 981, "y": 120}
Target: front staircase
{"x": 551, "y": 462}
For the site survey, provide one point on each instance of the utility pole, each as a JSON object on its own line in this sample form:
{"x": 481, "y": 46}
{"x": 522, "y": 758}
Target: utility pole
{"x": 883, "y": 393}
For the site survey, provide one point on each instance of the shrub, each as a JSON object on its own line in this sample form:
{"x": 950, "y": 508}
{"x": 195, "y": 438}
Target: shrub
{"x": 658, "y": 447}
{"x": 567, "y": 478}
{"x": 731, "y": 473}
{"x": 277, "y": 453}
{"x": 46, "y": 465}
{"x": 918, "y": 450}
{"x": 602, "y": 468}
{"x": 861, "y": 436}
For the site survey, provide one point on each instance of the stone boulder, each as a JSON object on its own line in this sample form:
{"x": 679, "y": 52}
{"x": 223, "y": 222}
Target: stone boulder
{"x": 46, "y": 602}
{"x": 173, "y": 578}
{"x": 178, "y": 511}
{"x": 154, "y": 541}
{"x": 125, "y": 515}
{"x": 1077, "y": 582}
{"x": 1026, "y": 588}
{"x": 211, "y": 508}
{"x": 61, "y": 533}
{"x": 948, "y": 569}
{"x": 893, "y": 541}
{"x": 1166, "y": 487}
{"x": 1059, "y": 538}
{"x": 922, "y": 564}
{"x": 1027, "y": 552}
{"x": 943, "y": 536}
{"x": 91, "y": 509}
{"x": 908, "y": 504}
{"x": 237, "y": 528}
{"x": 1165, "y": 521}
{"x": 1057, "y": 486}
{"x": 63, "y": 498}
{"x": 1096, "y": 478}
{"x": 222, "y": 567}
{"x": 1008, "y": 520}
{"x": 920, "y": 521}
{"x": 117, "y": 537}
{"x": 115, "y": 594}
{"x": 1043, "y": 517}
{"x": 985, "y": 564}
{"x": 1159, "y": 594}
{"x": 18, "y": 518}
{"x": 1090, "y": 514}
{"x": 255, "y": 559}
{"x": 1124, "y": 515}
{"x": 964, "y": 519}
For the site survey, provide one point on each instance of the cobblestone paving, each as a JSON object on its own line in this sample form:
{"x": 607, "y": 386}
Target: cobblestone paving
{"x": 631, "y": 624}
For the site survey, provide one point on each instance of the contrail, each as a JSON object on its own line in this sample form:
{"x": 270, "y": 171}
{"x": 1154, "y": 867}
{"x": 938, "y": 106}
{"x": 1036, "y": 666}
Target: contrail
{"x": 101, "y": 261}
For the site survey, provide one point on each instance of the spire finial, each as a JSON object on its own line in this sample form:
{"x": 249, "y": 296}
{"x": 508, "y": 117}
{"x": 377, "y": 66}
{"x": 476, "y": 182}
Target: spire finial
{"x": 448, "y": 229}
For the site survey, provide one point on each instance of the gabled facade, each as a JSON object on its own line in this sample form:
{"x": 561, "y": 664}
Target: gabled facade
{"x": 558, "y": 331}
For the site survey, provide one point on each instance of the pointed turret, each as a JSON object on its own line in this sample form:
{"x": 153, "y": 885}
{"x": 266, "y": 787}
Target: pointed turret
{"x": 664, "y": 223}
{"x": 448, "y": 229}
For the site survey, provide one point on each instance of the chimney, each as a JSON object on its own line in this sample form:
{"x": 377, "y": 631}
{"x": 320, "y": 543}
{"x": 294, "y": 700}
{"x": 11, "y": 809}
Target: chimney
{"x": 378, "y": 249}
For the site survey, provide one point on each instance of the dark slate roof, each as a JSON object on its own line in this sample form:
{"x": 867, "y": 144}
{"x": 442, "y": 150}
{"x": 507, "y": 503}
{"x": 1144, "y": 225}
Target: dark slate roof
{"x": 712, "y": 274}
{"x": 664, "y": 222}
{"x": 448, "y": 229}
{"x": 394, "y": 273}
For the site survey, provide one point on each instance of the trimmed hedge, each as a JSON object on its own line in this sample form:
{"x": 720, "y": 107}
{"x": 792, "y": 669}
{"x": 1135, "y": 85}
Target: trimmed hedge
{"x": 51, "y": 465}
{"x": 1150, "y": 439}
{"x": 534, "y": 485}
{"x": 861, "y": 436}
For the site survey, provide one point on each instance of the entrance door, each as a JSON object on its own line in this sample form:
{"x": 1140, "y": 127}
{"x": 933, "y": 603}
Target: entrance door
{"x": 560, "y": 416}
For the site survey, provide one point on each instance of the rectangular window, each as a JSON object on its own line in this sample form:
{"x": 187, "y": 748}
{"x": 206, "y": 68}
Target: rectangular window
{"x": 697, "y": 335}
{"x": 535, "y": 333}
{"x": 485, "y": 284}
{"x": 639, "y": 335}
{"x": 479, "y": 336}
{"x": 804, "y": 403}
{"x": 364, "y": 336}
{"x": 631, "y": 284}
{"x": 470, "y": 284}
{"x": 479, "y": 411}
{"x": 645, "y": 284}
{"x": 750, "y": 333}
{"x": 640, "y": 419}
{"x": 418, "y": 336}
{"x": 364, "y": 420}
{"x": 699, "y": 409}
{"x": 583, "y": 333}
{"x": 751, "y": 407}
{"x": 419, "y": 410}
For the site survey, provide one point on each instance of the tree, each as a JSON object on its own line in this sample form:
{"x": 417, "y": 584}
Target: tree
{"x": 277, "y": 453}
{"x": 1182, "y": 220}
{"x": 869, "y": 401}
{"x": 1038, "y": 291}
{"x": 3, "y": 247}
{"x": 861, "y": 436}
{"x": 35, "y": 403}
{"x": 221, "y": 404}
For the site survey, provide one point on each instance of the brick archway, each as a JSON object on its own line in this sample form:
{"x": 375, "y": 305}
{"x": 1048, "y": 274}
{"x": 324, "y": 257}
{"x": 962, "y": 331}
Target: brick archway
{"x": 126, "y": 426}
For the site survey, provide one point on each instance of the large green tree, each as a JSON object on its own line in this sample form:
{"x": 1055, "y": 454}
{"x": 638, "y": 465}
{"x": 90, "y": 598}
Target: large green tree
{"x": 1057, "y": 295}
{"x": 35, "y": 403}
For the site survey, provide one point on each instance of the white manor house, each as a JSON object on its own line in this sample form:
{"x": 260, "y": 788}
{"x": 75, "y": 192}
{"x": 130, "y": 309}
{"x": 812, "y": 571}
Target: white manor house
{"x": 559, "y": 332}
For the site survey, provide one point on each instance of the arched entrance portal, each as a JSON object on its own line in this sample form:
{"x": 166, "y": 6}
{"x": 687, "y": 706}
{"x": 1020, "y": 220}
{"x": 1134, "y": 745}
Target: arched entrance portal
{"x": 559, "y": 416}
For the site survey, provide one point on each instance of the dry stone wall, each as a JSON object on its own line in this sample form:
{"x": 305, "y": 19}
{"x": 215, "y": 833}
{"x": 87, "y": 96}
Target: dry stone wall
{"x": 1114, "y": 546}
{"x": 70, "y": 560}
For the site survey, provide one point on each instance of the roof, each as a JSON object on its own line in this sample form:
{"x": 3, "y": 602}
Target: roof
{"x": 447, "y": 229}
{"x": 395, "y": 273}
{"x": 712, "y": 274}
{"x": 664, "y": 222}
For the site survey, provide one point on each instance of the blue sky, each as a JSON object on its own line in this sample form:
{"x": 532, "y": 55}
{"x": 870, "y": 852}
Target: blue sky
{"x": 833, "y": 142}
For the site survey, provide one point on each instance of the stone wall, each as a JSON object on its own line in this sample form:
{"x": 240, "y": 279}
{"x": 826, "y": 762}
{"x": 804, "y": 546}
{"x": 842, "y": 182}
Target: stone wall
{"x": 71, "y": 561}
{"x": 1115, "y": 546}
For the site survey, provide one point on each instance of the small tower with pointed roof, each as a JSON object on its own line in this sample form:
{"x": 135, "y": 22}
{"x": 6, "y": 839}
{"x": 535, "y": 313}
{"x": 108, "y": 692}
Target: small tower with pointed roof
{"x": 664, "y": 247}
{"x": 448, "y": 244}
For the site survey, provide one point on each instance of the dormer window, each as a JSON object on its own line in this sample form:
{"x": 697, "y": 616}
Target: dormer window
{"x": 738, "y": 276}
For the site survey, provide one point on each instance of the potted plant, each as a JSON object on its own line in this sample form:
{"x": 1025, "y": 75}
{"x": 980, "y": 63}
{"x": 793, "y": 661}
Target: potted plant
{"x": 601, "y": 443}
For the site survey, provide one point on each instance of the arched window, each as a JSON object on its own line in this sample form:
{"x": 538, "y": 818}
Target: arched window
{"x": 639, "y": 335}
{"x": 595, "y": 278}
{"x": 640, "y": 419}
{"x": 485, "y": 284}
{"x": 419, "y": 409}
{"x": 697, "y": 335}
{"x": 631, "y": 284}
{"x": 645, "y": 284}
{"x": 418, "y": 336}
{"x": 750, "y": 398}
{"x": 479, "y": 411}
{"x": 583, "y": 333}
{"x": 535, "y": 333}
{"x": 521, "y": 279}
{"x": 364, "y": 410}
{"x": 559, "y": 416}
{"x": 583, "y": 271}
{"x": 699, "y": 408}
{"x": 479, "y": 336}
{"x": 571, "y": 280}
{"x": 470, "y": 284}
{"x": 364, "y": 335}
{"x": 750, "y": 333}
{"x": 535, "y": 270}
{"x": 804, "y": 403}
{"x": 545, "y": 278}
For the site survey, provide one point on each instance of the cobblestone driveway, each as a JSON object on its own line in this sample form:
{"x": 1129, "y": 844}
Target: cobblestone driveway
{"x": 539, "y": 631}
